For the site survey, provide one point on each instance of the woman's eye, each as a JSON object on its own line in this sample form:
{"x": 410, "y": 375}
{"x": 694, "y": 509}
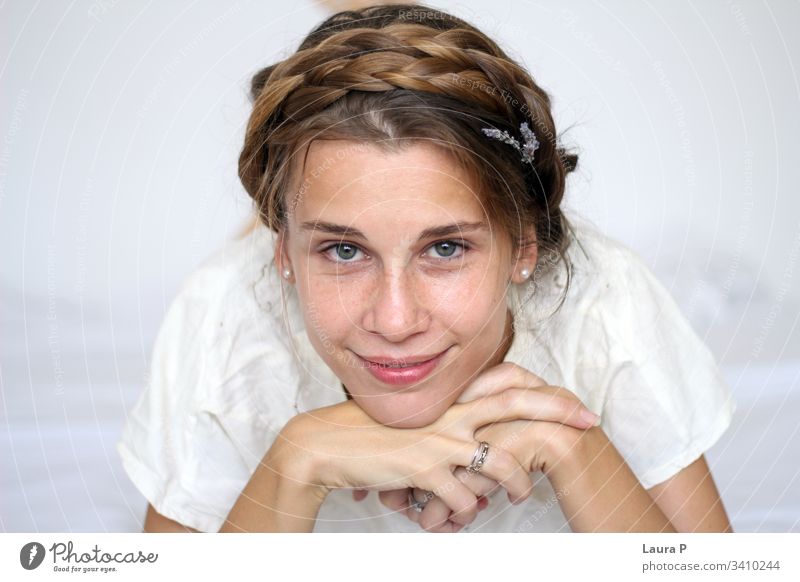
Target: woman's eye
{"x": 344, "y": 252}
{"x": 447, "y": 249}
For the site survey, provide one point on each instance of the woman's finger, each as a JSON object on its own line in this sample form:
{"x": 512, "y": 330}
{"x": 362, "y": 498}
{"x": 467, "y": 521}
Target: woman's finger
{"x": 500, "y": 466}
{"x": 524, "y": 404}
{"x": 462, "y": 502}
{"x": 395, "y": 499}
{"x": 498, "y": 378}
{"x": 435, "y": 518}
{"x": 436, "y": 512}
{"x": 425, "y": 497}
{"x": 435, "y": 509}
{"x": 360, "y": 494}
{"x": 478, "y": 483}
{"x": 510, "y": 375}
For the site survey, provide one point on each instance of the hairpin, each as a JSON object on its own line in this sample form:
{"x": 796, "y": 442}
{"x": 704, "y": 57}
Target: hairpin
{"x": 528, "y": 137}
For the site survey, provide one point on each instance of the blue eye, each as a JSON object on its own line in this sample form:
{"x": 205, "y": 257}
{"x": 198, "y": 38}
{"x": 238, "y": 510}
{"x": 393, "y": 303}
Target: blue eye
{"x": 447, "y": 248}
{"x": 344, "y": 252}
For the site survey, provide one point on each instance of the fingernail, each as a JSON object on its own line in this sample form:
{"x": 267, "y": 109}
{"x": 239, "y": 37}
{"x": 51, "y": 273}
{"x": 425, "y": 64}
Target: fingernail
{"x": 590, "y": 417}
{"x": 483, "y": 503}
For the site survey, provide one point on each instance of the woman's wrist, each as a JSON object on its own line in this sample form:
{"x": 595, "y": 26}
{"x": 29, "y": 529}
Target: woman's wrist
{"x": 599, "y": 491}
{"x": 283, "y": 494}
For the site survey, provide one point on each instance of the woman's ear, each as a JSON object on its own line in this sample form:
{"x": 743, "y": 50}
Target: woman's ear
{"x": 526, "y": 258}
{"x": 282, "y": 261}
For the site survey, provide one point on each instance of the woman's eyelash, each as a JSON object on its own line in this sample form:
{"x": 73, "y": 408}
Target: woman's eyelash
{"x": 462, "y": 244}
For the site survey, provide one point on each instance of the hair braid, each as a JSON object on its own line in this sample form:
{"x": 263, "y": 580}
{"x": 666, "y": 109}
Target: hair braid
{"x": 375, "y": 76}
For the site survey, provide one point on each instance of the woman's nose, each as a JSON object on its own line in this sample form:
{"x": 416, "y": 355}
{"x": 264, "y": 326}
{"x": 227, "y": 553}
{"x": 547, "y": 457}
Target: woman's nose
{"x": 396, "y": 310}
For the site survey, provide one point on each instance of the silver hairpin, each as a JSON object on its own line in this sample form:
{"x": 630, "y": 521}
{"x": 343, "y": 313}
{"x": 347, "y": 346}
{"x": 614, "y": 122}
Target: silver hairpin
{"x": 528, "y": 137}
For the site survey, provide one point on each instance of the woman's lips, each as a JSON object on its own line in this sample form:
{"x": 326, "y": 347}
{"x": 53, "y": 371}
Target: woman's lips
{"x": 403, "y": 376}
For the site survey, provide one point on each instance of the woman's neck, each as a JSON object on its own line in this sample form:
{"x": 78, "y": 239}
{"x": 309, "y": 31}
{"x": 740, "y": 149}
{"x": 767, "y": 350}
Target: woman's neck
{"x": 505, "y": 342}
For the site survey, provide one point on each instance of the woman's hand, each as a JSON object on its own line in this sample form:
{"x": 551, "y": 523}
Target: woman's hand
{"x": 604, "y": 493}
{"x": 523, "y": 438}
{"x": 335, "y": 441}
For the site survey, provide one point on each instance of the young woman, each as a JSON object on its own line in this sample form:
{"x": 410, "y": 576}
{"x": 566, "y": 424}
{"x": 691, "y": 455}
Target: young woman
{"x": 415, "y": 316}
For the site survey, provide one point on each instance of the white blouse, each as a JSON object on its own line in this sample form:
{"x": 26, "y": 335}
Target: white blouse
{"x": 231, "y": 366}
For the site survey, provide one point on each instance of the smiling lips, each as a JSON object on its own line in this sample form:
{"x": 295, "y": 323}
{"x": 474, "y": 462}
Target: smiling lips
{"x": 386, "y": 361}
{"x": 397, "y": 372}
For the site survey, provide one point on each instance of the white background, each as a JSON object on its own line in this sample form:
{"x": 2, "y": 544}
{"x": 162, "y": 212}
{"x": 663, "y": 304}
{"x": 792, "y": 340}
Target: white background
{"x": 121, "y": 124}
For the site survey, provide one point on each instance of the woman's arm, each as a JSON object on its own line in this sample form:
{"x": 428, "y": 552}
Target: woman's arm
{"x": 154, "y": 522}
{"x": 341, "y": 446}
{"x": 598, "y": 490}
{"x": 275, "y": 499}
{"x": 691, "y": 501}
{"x": 306, "y": 460}
{"x": 601, "y": 493}
{"x": 280, "y": 496}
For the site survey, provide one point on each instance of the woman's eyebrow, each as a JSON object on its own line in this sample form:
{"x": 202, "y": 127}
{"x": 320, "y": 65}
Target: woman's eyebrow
{"x": 434, "y": 231}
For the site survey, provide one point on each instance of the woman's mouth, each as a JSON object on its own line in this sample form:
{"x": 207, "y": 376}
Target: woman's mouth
{"x": 399, "y": 373}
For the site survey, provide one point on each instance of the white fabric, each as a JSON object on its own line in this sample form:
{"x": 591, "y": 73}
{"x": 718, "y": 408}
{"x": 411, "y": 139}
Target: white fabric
{"x": 226, "y": 375}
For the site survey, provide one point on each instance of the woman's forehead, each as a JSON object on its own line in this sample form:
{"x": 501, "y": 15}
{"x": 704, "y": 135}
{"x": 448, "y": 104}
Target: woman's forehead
{"x": 342, "y": 179}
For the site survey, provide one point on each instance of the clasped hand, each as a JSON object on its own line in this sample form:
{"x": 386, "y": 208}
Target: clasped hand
{"x": 342, "y": 447}
{"x": 522, "y": 438}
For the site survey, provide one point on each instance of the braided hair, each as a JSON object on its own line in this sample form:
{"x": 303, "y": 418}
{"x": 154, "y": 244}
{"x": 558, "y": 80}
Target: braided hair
{"x": 390, "y": 75}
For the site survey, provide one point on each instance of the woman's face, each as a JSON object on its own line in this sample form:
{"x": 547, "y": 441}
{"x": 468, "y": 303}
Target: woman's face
{"x": 383, "y": 270}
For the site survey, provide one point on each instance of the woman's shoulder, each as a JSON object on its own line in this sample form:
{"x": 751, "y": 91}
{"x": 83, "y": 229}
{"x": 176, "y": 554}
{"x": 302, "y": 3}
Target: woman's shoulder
{"x": 227, "y": 308}
{"x": 228, "y": 319}
{"x": 622, "y": 298}
{"x": 616, "y": 269}
{"x": 586, "y": 312}
{"x": 591, "y": 269}
{"x": 592, "y": 250}
{"x": 236, "y": 278}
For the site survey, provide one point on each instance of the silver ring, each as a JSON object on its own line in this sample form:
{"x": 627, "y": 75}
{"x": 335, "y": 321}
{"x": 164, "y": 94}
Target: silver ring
{"x": 417, "y": 506}
{"x": 479, "y": 458}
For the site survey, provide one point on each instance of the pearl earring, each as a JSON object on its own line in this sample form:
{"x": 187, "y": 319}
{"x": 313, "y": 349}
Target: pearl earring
{"x": 287, "y": 273}
{"x": 525, "y": 273}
